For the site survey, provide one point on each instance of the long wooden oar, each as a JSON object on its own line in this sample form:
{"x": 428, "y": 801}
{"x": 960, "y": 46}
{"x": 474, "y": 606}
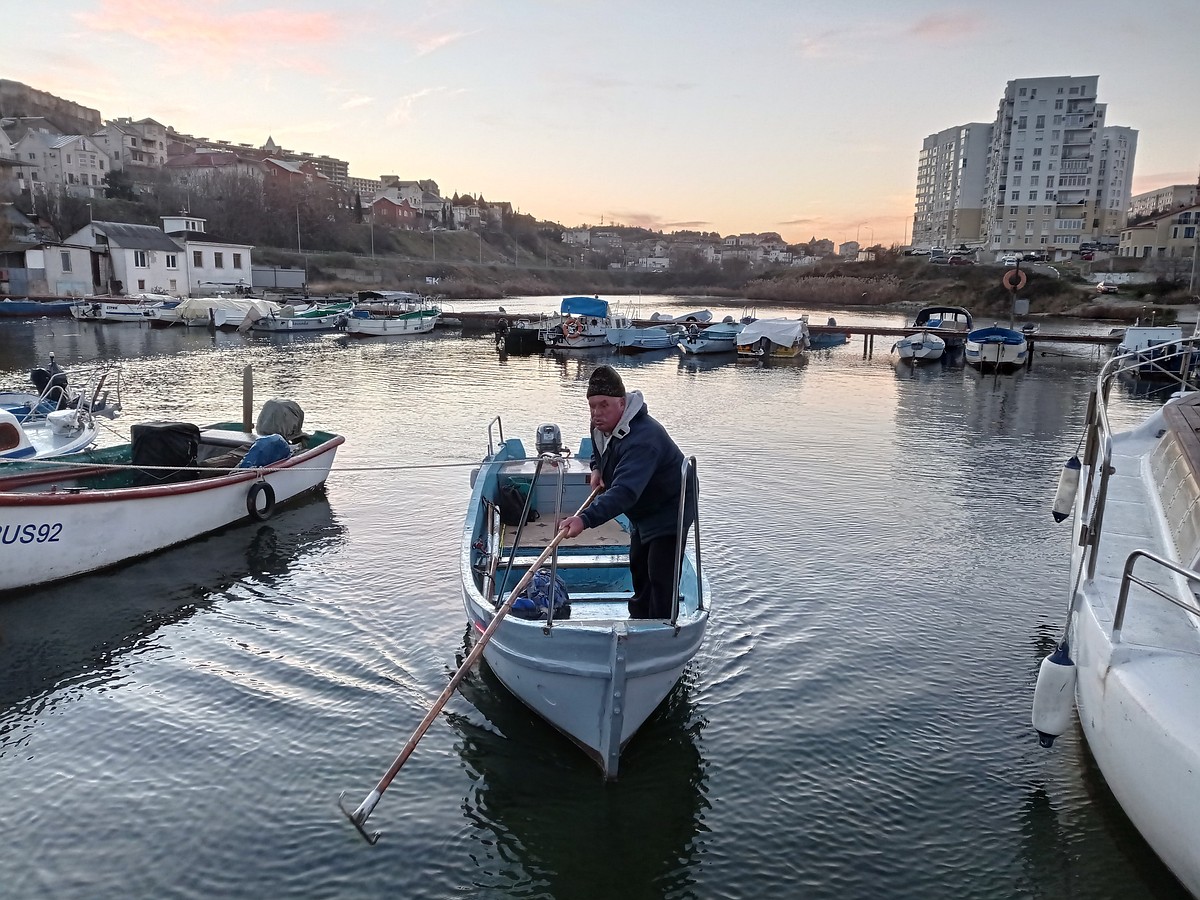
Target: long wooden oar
{"x": 358, "y": 817}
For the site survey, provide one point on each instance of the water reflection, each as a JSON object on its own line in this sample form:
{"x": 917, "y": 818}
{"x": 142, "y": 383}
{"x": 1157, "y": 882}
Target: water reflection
{"x": 80, "y": 628}
{"x": 539, "y": 803}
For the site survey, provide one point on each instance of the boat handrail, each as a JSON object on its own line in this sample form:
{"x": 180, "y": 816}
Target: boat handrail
{"x": 560, "y": 465}
{"x": 687, "y": 475}
{"x": 1128, "y": 578}
{"x": 491, "y": 444}
{"x": 1099, "y": 435}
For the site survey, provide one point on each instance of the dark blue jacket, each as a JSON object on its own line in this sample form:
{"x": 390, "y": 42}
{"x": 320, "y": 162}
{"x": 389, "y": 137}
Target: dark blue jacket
{"x": 642, "y": 471}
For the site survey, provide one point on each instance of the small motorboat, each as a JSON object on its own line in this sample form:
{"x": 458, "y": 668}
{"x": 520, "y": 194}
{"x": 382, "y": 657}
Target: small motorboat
{"x": 718, "y": 338}
{"x": 583, "y": 322}
{"x": 826, "y": 337}
{"x": 995, "y": 349}
{"x": 173, "y": 482}
{"x": 311, "y": 317}
{"x": 953, "y": 323}
{"x": 1155, "y": 350}
{"x": 643, "y": 337}
{"x": 578, "y": 661}
{"x": 57, "y": 418}
{"x": 920, "y": 347}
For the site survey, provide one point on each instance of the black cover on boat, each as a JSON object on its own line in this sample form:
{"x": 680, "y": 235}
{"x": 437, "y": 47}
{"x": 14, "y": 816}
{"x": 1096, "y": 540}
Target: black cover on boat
{"x": 283, "y": 417}
{"x": 52, "y": 386}
{"x": 164, "y": 444}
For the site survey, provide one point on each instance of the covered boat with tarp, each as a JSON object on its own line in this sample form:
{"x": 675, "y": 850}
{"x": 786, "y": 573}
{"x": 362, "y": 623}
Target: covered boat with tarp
{"x": 773, "y": 338}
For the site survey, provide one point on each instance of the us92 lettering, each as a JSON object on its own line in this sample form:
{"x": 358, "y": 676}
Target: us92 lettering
{"x": 46, "y": 533}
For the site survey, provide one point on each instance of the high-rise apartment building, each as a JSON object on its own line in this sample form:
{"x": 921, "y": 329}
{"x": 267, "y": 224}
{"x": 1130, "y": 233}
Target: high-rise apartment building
{"x": 1054, "y": 169}
{"x": 951, "y": 174}
{"x": 1055, "y": 175}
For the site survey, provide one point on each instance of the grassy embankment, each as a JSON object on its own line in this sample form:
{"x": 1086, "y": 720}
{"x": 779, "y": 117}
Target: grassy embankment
{"x": 470, "y": 268}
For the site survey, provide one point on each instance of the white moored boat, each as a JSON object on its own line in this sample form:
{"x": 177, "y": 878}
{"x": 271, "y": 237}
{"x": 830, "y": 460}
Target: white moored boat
{"x": 583, "y": 322}
{"x": 919, "y": 347}
{"x": 996, "y": 349}
{"x": 172, "y": 483}
{"x": 1130, "y": 656}
{"x": 718, "y": 338}
{"x": 596, "y": 675}
{"x": 57, "y": 418}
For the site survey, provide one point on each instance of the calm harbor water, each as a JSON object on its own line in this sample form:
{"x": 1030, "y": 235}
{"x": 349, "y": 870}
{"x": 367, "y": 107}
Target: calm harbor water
{"x": 886, "y": 578}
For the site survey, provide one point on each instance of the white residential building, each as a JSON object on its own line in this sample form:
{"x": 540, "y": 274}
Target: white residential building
{"x": 71, "y": 162}
{"x": 578, "y": 237}
{"x": 1160, "y": 200}
{"x": 1053, "y": 167}
{"x": 212, "y": 265}
{"x": 133, "y": 259}
{"x": 951, "y": 174}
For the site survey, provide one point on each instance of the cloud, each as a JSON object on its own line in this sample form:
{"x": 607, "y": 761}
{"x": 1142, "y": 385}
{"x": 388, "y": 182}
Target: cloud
{"x": 802, "y": 221}
{"x": 356, "y": 102}
{"x": 428, "y": 43}
{"x": 402, "y": 110}
{"x": 947, "y": 27}
{"x": 218, "y": 28}
{"x": 697, "y": 225}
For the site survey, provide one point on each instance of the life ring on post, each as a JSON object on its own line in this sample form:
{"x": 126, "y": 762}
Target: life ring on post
{"x": 1014, "y": 279}
{"x": 257, "y": 514}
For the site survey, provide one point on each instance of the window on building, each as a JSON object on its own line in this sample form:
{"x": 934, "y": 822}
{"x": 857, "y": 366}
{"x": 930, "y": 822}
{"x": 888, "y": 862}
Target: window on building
{"x": 218, "y": 260}
{"x": 172, "y": 261}
{"x": 1016, "y": 181}
{"x": 140, "y": 259}
{"x": 141, "y": 284}
{"x": 1040, "y": 122}
{"x": 66, "y": 260}
{"x": 68, "y": 159}
{"x": 1016, "y": 195}
{"x": 1058, "y": 104}
{"x": 1037, "y": 151}
{"x": 1021, "y": 92}
{"x": 1021, "y": 122}
{"x": 1012, "y": 210}
{"x": 1033, "y": 180}
{"x": 1017, "y": 165}
{"x": 237, "y": 260}
{"x": 198, "y": 258}
{"x": 1033, "y": 195}
{"x": 174, "y": 286}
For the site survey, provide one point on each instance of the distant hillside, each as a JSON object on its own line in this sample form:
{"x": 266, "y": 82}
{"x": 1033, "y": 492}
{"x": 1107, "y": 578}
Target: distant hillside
{"x": 17, "y": 99}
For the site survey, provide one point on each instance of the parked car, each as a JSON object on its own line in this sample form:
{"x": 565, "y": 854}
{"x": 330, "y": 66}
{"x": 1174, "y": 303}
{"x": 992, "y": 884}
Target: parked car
{"x": 961, "y": 261}
{"x": 939, "y": 260}
{"x": 1107, "y": 287}
{"x": 1035, "y": 257}
{"x": 1010, "y": 260}
{"x": 1087, "y": 255}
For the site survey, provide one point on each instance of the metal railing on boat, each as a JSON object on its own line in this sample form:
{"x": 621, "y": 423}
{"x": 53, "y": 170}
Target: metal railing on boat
{"x": 1128, "y": 578}
{"x": 1099, "y": 436}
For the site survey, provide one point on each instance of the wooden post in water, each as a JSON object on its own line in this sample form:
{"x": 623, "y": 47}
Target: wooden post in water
{"x": 248, "y": 399}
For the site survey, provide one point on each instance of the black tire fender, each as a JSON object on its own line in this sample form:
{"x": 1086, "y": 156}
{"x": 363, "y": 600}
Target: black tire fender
{"x": 260, "y": 487}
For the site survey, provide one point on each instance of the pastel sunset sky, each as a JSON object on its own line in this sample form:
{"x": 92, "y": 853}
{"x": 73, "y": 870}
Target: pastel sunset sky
{"x": 780, "y": 115}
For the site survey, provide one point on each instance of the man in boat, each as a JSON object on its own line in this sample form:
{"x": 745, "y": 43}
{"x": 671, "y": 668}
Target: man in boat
{"x": 639, "y": 468}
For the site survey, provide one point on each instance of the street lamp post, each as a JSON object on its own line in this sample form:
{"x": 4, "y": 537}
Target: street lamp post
{"x": 479, "y": 234}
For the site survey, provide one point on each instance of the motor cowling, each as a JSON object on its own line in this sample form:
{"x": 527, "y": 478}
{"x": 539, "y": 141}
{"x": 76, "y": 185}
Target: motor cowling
{"x": 549, "y": 439}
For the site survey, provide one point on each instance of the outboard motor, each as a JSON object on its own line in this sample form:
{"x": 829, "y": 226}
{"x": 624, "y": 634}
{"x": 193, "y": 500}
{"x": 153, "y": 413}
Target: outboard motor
{"x": 549, "y": 439}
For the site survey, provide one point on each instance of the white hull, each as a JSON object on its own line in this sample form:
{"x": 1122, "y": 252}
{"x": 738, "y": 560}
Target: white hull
{"x": 1136, "y": 679}
{"x": 597, "y": 675}
{"x": 992, "y": 356}
{"x": 920, "y": 348}
{"x": 649, "y": 338}
{"x": 290, "y": 324}
{"x": 99, "y": 311}
{"x": 377, "y": 327}
{"x": 50, "y": 534}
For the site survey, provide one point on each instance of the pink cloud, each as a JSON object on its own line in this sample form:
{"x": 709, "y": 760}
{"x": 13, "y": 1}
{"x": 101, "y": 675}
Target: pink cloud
{"x": 217, "y": 27}
{"x": 949, "y": 27}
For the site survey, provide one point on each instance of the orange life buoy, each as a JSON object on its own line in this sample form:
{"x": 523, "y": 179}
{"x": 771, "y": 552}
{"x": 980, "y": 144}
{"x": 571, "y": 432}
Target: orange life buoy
{"x": 572, "y": 328}
{"x": 1014, "y": 279}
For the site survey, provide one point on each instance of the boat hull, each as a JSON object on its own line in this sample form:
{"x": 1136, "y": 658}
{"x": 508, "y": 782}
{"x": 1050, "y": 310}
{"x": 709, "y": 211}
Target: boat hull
{"x": 996, "y": 350}
{"x": 52, "y": 531}
{"x": 596, "y": 675}
{"x": 391, "y": 325}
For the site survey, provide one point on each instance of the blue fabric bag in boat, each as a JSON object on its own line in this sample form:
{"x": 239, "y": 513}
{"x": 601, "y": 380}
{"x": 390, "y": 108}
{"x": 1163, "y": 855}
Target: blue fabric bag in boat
{"x": 534, "y": 599}
{"x": 268, "y": 449}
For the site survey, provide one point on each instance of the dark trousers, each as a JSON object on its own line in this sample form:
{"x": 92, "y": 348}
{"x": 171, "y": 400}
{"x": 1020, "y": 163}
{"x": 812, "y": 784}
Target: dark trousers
{"x": 652, "y": 565}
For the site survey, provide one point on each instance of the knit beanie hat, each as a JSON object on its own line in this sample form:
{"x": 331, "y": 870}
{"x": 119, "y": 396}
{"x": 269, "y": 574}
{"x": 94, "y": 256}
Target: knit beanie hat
{"x": 605, "y": 382}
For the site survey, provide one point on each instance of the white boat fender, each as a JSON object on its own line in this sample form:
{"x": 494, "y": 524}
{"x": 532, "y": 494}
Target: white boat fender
{"x": 1054, "y": 695}
{"x": 1068, "y": 485}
